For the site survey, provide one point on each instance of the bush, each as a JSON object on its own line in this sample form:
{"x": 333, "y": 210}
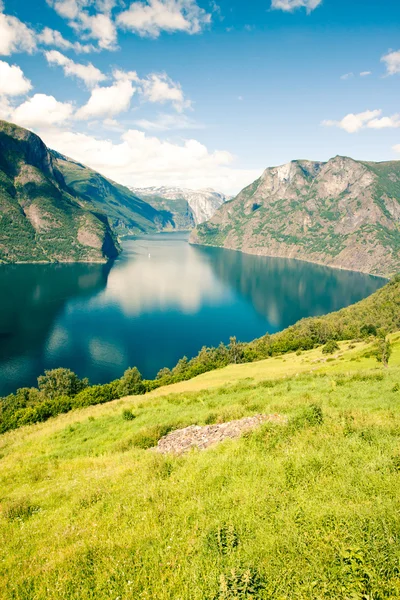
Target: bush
{"x": 96, "y": 394}
{"x": 61, "y": 382}
{"x": 128, "y": 415}
{"x": 330, "y": 347}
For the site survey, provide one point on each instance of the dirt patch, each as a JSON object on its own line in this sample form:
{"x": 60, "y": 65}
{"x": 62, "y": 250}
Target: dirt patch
{"x": 195, "y": 436}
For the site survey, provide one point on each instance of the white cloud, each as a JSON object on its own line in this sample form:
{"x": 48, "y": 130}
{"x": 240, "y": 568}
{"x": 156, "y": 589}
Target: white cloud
{"x": 98, "y": 25}
{"x": 354, "y": 122}
{"x": 51, "y": 37}
{"x": 140, "y": 160}
{"x": 385, "y": 122}
{"x": 90, "y": 74}
{"x": 392, "y": 62}
{"x": 15, "y": 36}
{"x": 154, "y": 16}
{"x": 290, "y": 5}
{"x": 165, "y": 122}
{"x": 160, "y": 88}
{"x": 365, "y": 73}
{"x": 12, "y": 80}
{"x": 108, "y": 101}
{"x": 396, "y": 148}
{"x": 347, "y": 76}
{"x": 41, "y": 111}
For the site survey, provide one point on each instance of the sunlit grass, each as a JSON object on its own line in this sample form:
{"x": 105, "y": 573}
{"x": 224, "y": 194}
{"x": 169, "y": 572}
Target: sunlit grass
{"x": 302, "y": 511}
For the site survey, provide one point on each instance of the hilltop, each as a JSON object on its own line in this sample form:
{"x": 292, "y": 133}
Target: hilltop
{"x": 343, "y": 213}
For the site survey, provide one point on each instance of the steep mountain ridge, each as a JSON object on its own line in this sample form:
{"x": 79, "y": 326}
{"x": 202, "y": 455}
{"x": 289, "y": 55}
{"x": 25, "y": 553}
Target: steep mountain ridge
{"x": 187, "y": 207}
{"x": 40, "y": 219}
{"x": 341, "y": 213}
{"x": 127, "y": 213}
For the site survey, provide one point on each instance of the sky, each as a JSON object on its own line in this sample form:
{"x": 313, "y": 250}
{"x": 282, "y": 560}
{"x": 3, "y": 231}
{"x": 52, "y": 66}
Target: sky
{"x": 203, "y": 93}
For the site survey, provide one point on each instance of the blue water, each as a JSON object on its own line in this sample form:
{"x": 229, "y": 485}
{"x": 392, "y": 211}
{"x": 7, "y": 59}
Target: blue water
{"x": 161, "y": 300}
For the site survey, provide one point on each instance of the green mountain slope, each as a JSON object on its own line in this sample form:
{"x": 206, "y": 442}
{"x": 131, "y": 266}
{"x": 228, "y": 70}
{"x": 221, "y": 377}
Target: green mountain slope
{"x": 307, "y": 509}
{"x": 126, "y": 213}
{"x": 40, "y": 219}
{"x": 343, "y": 213}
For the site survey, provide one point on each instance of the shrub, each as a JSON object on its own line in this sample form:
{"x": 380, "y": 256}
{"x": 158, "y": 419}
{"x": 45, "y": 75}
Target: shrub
{"x": 61, "y": 382}
{"x": 128, "y": 415}
{"x": 330, "y": 347}
{"x": 96, "y": 394}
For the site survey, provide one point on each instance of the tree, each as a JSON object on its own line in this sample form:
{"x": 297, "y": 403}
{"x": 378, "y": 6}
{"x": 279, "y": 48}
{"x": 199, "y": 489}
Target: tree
{"x": 131, "y": 383}
{"x": 61, "y": 382}
{"x": 383, "y": 351}
{"x": 330, "y": 347}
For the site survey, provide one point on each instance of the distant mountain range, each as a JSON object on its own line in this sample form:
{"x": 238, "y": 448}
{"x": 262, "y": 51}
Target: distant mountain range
{"x": 187, "y": 207}
{"x": 341, "y": 213}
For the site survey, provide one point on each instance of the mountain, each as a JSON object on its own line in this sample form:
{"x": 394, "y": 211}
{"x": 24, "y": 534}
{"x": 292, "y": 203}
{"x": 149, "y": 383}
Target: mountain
{"x": 41, "y": 220}
{"x": 188, "y": 208}
{"x": 343, "y": 213}
{"x": 126, "y": 213}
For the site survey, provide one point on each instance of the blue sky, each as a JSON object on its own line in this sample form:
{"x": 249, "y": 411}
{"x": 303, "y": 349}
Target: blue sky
{"x": 203, "y": 94}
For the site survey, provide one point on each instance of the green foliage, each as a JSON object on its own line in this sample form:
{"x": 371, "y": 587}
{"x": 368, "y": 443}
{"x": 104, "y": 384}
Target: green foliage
{"x": 130, "y": 384}
{"x": 61, "y": 382}
{"x": 307, "y": 416}
{"x": 330, "y": 347}
{"x": 128, "y": 415}
{"x": 382, "y": 351}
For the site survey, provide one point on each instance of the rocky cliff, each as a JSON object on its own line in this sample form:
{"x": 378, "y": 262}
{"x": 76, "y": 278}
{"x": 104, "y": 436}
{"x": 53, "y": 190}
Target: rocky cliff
{"x": 343, "y": 213}
{"x": 41, "y": 220}
{"x": 188, "y": 208}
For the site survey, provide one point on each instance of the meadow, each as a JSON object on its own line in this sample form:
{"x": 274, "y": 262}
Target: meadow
{"x": 309, "y": 509}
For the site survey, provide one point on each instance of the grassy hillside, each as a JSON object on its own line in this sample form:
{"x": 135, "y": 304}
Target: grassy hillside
{"x": 305, "y": 510}
{"x": 127, "y": 213}
{"x": 40, "y": 219}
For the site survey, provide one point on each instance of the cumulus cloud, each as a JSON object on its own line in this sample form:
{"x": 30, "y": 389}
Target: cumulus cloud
{"x": 15, "y": 36}
{"x": 108, "y": 101}
{"x": 89, "y": 74}
{"x": 12, "y": 80}
{"x": 291, "y": 5}
{"x": 52, "y": 37}
{"x": 90, "y": 18}
{"x": 141, "y": 160}
{"x": 392, "y": 62}
{"x": 41, "y": 111}
{"x": 354, "y": 122}
{"x": 370, "y": 119}
{"x": 160, "y": 88}
{"x": 155, "y": 16}
{"x": 365, "y": 73}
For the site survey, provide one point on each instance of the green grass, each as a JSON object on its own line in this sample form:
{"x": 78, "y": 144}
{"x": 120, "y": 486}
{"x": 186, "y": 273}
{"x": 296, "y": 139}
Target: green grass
{"x": 305, "y": 510}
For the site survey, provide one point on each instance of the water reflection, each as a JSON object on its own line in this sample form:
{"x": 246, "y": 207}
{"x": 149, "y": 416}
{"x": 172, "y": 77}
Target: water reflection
{"x": 160, "y": 300}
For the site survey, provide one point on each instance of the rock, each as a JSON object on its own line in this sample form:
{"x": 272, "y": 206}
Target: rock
{"x": 195, "y": 436}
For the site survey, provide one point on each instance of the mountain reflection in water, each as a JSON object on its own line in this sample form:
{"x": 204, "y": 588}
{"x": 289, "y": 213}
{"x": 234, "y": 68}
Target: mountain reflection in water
{"x": 160, "y": 300}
